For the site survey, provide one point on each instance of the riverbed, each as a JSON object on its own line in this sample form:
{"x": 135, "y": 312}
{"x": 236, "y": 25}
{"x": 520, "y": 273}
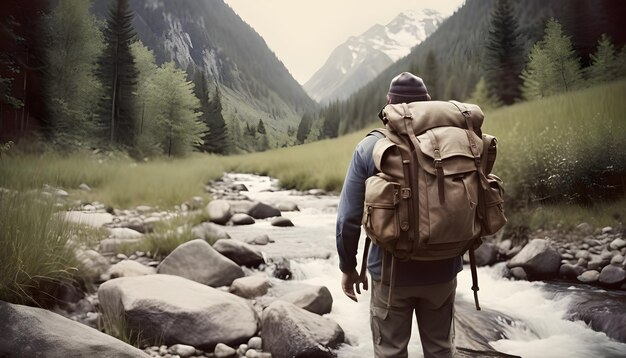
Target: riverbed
{"x": 529, "y": 319}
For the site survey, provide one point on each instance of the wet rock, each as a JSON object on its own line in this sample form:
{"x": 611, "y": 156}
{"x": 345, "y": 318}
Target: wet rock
{"x": 219, "y": 211}
{"x": 242, "y": 219}
{"x": 224, "y": 351}
{"x": 315, "y": 299}
{"x": 612, "y": 275}
{"x": 287, "y": 206}
{"x": 209, "y": 232}
{"x": 281, "y": 221}
{"x": 129, "y": 268}
{"x": 307, "y": 334}
{"x": 94, "y": 264}
{"x": 263, "y": 211}
{"x": 538, "y": 259}
{"x": 259, "y": 240}
{"x": 281, "y": 268}
{"x": 617, "y": 244}
{"x": 570, "y": 271}
{"x": 519, "y": 273}
{"x": 255, "y": 343}
{"x": 198, "y": 261}
{"x": 250, "y": 286}
{"x": 34, "y": 332}
{"x": 239, "y": 187}
{"x": 241, "y": 253}
{"x": 172, "y": 310}
{"x": 590, "y": 276}
{"x": 182, "y": 350}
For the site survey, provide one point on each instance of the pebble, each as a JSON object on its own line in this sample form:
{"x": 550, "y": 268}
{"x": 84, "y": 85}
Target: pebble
{"x": 243, "y": 348}
{"x": 224, "y": 351}
{"x": 590, "y": 276}
{"x": 182, "y": 350}
{"x": 617, "y": 260}
{"x": 255, "y": 343}
{"x": 617, "y": 244}
{"x": 84, "y": 187}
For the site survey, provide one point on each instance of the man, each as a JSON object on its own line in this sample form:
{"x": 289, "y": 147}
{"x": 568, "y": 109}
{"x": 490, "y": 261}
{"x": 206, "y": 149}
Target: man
{"x": 424, "y": 287}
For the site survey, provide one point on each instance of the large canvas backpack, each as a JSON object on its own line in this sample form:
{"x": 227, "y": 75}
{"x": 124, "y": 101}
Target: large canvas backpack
{"x": 433, "y": 197}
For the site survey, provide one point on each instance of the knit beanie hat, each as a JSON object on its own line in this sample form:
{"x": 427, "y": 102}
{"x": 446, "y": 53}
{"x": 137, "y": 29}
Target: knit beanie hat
{"x": 406, "y": 88}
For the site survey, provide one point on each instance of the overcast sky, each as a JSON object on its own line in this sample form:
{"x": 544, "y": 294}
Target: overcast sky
{"x": 303, "y": 33}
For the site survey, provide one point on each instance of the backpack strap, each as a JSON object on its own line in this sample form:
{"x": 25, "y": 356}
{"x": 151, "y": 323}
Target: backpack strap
{"x": 379, "y": 133}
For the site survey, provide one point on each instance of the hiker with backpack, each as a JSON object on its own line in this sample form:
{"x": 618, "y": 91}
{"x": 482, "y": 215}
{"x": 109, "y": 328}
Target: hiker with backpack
{"x": 422, "y": 191}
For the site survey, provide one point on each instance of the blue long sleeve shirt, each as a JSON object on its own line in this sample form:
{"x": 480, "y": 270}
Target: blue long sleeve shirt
{"x": 349, "y": 214}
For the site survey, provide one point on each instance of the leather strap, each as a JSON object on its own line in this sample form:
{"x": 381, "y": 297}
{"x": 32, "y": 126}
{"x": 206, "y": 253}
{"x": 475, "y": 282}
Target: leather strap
{"x": 475, "y": 288}
{"x": 438, "y": 166}
{"x": 362, "y": 274}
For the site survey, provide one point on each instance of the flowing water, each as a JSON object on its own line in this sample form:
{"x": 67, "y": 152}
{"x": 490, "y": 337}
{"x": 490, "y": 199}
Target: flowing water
{"x": 528, "y": 319}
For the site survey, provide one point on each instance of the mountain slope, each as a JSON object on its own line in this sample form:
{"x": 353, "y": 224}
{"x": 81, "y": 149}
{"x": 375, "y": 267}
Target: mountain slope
{"x": 210, "y": 35}
{"x": 357, "y": 61}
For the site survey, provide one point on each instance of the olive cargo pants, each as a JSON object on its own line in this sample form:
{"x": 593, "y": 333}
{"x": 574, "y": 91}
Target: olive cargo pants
{"x": 434, "y": 309}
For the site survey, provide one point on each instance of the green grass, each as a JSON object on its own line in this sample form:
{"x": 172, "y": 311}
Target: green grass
{"x": 35, "y": 248}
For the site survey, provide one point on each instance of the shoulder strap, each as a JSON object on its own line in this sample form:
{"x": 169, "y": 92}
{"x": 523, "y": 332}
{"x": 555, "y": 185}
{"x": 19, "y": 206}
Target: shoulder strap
{"x": 379, "y": 133}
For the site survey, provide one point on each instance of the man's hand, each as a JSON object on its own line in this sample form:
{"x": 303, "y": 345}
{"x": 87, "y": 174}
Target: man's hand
{"x": 348, "y": 282}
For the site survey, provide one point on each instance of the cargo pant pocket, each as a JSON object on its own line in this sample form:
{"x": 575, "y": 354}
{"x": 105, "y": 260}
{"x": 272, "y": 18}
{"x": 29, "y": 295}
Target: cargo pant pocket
{"x": 377, "y": 315}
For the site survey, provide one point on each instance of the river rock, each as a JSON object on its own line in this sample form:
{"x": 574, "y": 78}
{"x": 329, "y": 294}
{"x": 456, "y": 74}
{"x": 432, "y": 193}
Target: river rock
{"x": 172, "y": 310}
{"x": 240, "y": 206}
{"x": 144, "y": 209}
{"x": 316, "y": 299}
{"x": 281, "y": 268}
{"x": 617, "y": 260}
{"x": 570, "y": 271}
{"x": 617, "y": 244}
{"x": 585, "y": 228}
{"x": 250, "y": 286}
{"x": 590, "y": 276}
{"x": 241, "y": 219}
{"x": 241, "y": 253}
{"x": 263, "y": 239}
{"x": 35, "y": 332}
{"x": 287, "y": 206}
{"x": 219, "y": 211}
{"x": 255, "y": 343}
{"x": 290, "y": 331}
{"x": 239, "y": 187}
{"x": 607, "y": 230}
{"x": 612, "y": 275}
{"x": 263, "y": 211}
{"x": 598, "y": 262}
{"x": 583, "y": 254}
{"x": 182, "y": 350}
{"x": 129, "y": 268}
{"x": 519, "y": 273}
{"x": 198, "y": 261}
{"x": 124, "y": 233}
{"x": 486, "y": 254}
{"x": 538, "y": 259}
{"x": 84, "y": 187}
{"x": 224, "y": 351}
{"x": 94, "y": 264}
{"x": 281, "y": 221}
{"x": 209, "y": 231}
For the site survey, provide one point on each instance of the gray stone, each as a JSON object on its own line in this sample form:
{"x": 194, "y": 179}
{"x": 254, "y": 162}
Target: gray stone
{"x": 617, "y": 260}
{"x": 240, "y": 206}
{"x": 281, "y": 221}
{"x": 124, "y": 233}
{"x": 287, "y": 206}
{"x": 570, "y": 271}
{"x": 316, "y": 299}
{"x": 143, "y": 209}
{"x": 241, "y": 253}
{"x": 519, "y": 273}
{"x": 263, "y": 211}
{"x": 219, "y": 211}
{"x": 84, "y": 187}
{"x": 585, "y": 228}
{"x": 617, "y": 244}
{"x": 597, "y": 263}
{"x": 198, "y": 261}
{"x": 35, "y": 332}
{"x": 255, "y": 343}
{"x": 241, "y": 219}
{"x": 209, "y": 231}
{"x": 239, "y": 187}
{"x": 243, "y": 348}
{"x": 582, "y": 254}
{"x": 590, "y": 276}
{"x": 612, "y": 275}
{"x": 607, "y": 230}
{"x": 172, "y": 310}
{"x": 94, "y": 264}
{"x": 182, "y": 350}
{"x": 129, "y": 268}
{"x": 250, "y": 286}
{"x": 263, "y": 239}
{"x": 538, "y": 259}
{"x": 290, "y": 331}
{"x": 504, "y": 246}
{"x": 486, "y": 254}
{"x": 224, "y": 351}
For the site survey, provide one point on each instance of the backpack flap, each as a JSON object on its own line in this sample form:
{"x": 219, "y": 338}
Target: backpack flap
{"x": 453, "y": 150}
{"x": 387, "y": 158}
{"x": 430, "y": 114}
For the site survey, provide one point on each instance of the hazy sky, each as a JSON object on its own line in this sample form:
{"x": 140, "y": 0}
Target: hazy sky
{"x": 303, "y": 33}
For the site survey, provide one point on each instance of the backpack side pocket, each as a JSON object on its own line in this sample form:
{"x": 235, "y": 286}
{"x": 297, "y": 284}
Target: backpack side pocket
{"x": 380, "y": 212}
{"x": 493, "y": 217}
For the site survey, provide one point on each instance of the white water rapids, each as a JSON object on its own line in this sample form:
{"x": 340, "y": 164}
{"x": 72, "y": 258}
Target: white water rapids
{"x": 519, "y": 317}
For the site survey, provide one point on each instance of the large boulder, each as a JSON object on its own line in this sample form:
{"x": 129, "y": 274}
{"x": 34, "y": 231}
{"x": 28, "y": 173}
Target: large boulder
{"x": 538, "y": 259}
{"x": 263, "y": 211}
{"x": 290, "y": 331}
{"x": 241, "y": 253}
{"x": 198, "y": 261}
{"x": 219, "y": 211}
{"x": 35, "y": 332}
{"x": 172, "y": 309}
{"x": 316, "y": 299}
{"x": 209, "y": 231}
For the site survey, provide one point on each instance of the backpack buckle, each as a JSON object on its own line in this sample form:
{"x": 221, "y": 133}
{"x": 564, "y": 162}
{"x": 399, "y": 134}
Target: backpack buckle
{"x": 438, "y": 163}
{"x": 405, "y": 193}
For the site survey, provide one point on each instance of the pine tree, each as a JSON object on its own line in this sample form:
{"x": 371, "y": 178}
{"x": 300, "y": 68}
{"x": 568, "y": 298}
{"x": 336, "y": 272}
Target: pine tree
{"x": 304, "y": 128}
{"x": 482, "y": 97}
{"x": 71, "y": 86}
{"x": 147, "y": 141}
{"x": 216, "y": 140}
{"x": 553, "y": 67}
{"x": 118, "y": 74}
{"x": 431, "y": 76}
{"x": 604, "y": 62}
{"x": 504, "y": 54}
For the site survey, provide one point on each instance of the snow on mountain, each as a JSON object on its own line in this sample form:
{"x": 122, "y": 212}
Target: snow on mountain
{"x": 361, "y": 58}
